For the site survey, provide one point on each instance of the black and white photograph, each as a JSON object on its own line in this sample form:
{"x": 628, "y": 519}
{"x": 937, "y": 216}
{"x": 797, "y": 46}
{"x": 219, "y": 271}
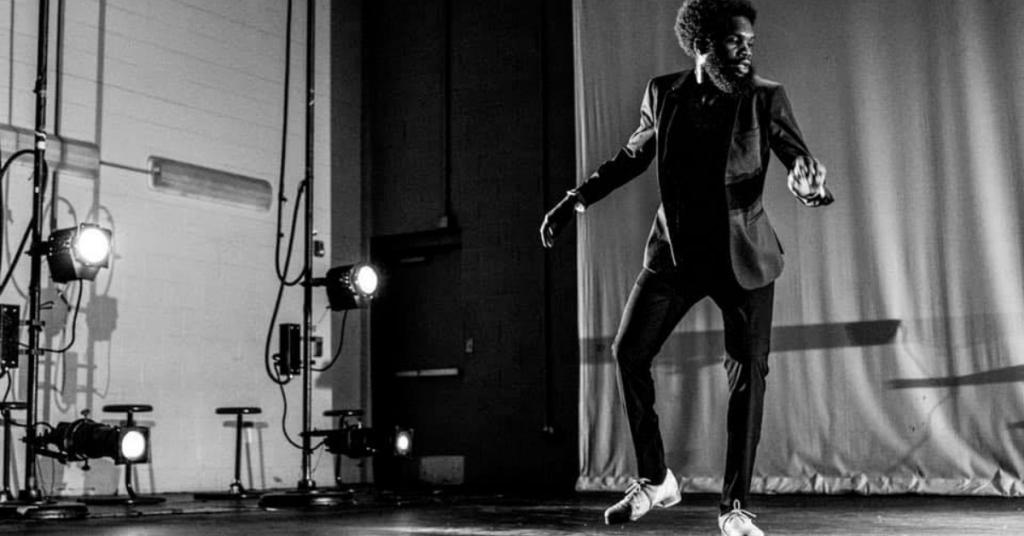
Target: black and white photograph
{"x": 512, "y": 268}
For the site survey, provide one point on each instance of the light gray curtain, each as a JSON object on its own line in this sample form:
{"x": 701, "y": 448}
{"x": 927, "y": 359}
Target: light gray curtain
{"x": 898, "y": 349}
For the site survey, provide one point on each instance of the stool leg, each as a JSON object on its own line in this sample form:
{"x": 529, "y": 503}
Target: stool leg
{"x": 128, "y": 465}
{"x": 236, "y": 486}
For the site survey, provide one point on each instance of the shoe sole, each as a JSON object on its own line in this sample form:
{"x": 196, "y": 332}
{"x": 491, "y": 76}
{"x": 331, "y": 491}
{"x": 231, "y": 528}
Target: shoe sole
{"x": 671, "y": 501}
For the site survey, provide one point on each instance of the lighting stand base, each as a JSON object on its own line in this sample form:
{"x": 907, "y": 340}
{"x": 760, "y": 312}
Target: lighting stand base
{"x": 306, "y": 500}
{"x": 49, "y": 511}
{"x": 226, "y": 496}
{"x": 128, "y": 500}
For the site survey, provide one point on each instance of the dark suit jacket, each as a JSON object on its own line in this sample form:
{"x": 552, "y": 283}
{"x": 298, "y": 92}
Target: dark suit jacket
{"x": 763, "y": 121}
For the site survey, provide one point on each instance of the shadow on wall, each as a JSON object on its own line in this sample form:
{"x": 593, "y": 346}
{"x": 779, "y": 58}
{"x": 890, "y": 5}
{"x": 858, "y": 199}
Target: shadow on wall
{"x": 999, "y": 375}
{"x": 706, "y": 347}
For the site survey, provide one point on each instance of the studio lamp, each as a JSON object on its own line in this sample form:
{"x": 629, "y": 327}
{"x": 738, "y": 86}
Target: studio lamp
{"x": 403, "y": 442}
{"x": 350, "y": 287}
{"x": 356, "y": 441}
{"x": 78, "y": 252}
{"x": 84, "y": 439}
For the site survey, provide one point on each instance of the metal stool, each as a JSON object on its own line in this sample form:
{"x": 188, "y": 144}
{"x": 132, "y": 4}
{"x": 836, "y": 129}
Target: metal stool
{"x": 132, "y": 498}
{"x": 5, "y": 409}
{"x": 344, "y": 414}
{"x": 236, "y": 490}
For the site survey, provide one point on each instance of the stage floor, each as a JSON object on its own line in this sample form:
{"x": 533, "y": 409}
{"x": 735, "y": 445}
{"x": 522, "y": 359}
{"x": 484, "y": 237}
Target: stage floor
{"x": 453, "y": 514}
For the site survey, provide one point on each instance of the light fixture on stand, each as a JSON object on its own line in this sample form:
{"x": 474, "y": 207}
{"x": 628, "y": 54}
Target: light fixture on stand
{"x": 30, "y": 502}
{"x": 78, "y": 252}
{"x": 85, "y": 439}
{"x": 348, "y": 286}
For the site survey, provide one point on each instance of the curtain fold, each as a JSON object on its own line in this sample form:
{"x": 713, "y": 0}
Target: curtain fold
{"x": 898, "y": 350}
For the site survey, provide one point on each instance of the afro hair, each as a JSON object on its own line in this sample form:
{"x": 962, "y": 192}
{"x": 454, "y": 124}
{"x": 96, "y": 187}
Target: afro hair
{"x": 703, "y": 19}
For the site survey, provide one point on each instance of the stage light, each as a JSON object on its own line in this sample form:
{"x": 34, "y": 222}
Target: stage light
{"x": 133, "y": 445}
{"x": 403, "y": 442}
{"x": 350, "y": 287}
{"x": 353, "y": 441}
{"x": 84, "y": 439}
{"x": 366, "y": 280}
{"x": 356, "y": 441}
{"x": 78, "y": 252}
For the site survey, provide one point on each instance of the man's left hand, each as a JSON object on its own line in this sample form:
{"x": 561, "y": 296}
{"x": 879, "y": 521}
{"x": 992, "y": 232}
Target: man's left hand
{"x": 807, "y": 182}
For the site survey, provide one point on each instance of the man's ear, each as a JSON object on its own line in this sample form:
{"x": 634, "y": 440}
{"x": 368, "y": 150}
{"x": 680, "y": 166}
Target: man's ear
{"x": 701, "y": 45}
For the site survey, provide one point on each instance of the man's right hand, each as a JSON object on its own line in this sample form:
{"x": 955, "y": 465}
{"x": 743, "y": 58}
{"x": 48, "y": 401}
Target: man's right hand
{"x": 556, "y": 220}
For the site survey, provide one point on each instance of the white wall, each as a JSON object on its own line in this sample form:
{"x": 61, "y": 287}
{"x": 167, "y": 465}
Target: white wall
{"x": 198, "y": 81}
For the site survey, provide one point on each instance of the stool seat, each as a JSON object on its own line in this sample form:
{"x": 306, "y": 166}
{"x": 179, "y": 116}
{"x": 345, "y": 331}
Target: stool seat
{"x": 343, "y": 413}
{"x": 247, "y": 410}
{"x": 126, "y": 408}
{"x": 6, "y": 406}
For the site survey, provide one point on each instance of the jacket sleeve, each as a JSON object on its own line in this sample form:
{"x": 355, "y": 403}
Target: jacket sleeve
{"x": 786, "y": 140}
{"x": 632, "y": 159}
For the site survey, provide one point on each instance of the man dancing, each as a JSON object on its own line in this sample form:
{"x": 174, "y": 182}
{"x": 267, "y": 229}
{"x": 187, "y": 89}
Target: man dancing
{"x": 710, "y": 130}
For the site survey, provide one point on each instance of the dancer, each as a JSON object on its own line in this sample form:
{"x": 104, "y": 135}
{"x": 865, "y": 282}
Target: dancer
{"x": 710, "y": 130}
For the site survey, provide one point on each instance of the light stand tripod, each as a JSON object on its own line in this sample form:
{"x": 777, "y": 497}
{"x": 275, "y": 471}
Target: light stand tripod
{"x": 306, "y": 494}
{"x": 30, "y": 499}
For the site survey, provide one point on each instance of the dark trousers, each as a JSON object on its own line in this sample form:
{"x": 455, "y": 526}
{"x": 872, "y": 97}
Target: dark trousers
{"x": 656, "y": 304}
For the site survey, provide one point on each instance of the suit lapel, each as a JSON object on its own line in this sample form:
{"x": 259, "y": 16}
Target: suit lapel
{"x": 670, "y": 107}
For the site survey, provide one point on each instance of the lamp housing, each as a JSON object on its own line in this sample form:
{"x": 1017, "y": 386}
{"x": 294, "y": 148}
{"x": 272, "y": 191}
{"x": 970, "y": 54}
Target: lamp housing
{"x": 85, "y": 439}
{"x": 79, "y": 252}
{"x": 352, "y": 286}
{"x": 357, "y": 441}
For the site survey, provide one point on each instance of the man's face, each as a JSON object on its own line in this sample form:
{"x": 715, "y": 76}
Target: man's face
{"x": 730, "y": 60}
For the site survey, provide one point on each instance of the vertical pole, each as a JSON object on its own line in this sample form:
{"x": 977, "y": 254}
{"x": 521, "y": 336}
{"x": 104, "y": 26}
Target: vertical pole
{"x": 5, "y": 494}
{"x": 307, "y": 482}
{"x": 31, "y": 491}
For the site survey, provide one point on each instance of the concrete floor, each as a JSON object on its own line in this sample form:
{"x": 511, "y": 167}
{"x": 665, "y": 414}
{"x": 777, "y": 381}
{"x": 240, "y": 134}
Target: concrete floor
{"x": 497, "y": 515}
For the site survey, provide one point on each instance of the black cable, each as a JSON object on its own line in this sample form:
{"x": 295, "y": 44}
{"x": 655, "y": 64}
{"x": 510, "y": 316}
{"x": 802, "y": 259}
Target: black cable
{"x": 276, "y": 378}
{"x": 12, "y": 158}
{"x": 16, "y": 258}
{"x": 282, "y": 273}
{"x": 74, "y": 323}
{"x": 284, "y": 418}
{"x": 291, "y": 239}
{"x": 267, "y": 359}
{"x": 31, "y": 225}
{"x": 10, "y": 380}
{"x": 341, "y": 343}
{"x": 3, "y": 216}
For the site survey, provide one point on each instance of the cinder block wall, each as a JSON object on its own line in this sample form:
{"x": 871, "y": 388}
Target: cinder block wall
{"x": 179, "y": 320}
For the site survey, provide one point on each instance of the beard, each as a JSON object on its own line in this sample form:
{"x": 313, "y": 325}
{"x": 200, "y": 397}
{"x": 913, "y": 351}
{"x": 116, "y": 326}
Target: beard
{"x": 726, "y": 77}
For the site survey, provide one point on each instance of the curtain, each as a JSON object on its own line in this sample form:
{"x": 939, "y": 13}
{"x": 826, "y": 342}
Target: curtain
{"x": 898, "y": 351}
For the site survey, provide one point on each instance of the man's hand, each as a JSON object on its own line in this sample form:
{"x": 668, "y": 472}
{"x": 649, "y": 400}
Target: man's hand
{"x": 807, "y": 182}
{"x": 557, "y": 219}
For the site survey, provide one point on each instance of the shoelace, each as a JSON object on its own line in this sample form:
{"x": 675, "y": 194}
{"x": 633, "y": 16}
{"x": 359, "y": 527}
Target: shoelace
{"x": 737, "y": 512}
{"x": 636, "y": 486}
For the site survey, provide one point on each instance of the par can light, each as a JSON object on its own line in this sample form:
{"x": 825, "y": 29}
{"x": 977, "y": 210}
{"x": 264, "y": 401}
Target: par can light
{"x": 78, "y": 252}
{"x": 350, "y": 287}
{"x": 403, "y": 442}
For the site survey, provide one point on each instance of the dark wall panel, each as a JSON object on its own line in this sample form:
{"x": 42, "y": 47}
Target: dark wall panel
{"x": 508, "y": 97}
{"x": 405, "y": 89}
